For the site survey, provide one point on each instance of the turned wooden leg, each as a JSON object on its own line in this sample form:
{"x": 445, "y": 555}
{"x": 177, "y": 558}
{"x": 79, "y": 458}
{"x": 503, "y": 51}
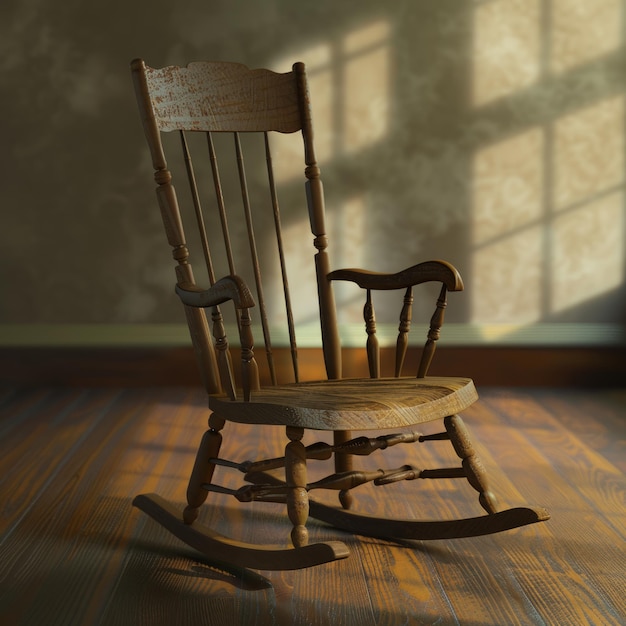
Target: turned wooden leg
{"x": 296, "y": 479}
{"x": 474, "y": 469}
{"x": 203, "y": 470}
{"x": 343, "y": 463}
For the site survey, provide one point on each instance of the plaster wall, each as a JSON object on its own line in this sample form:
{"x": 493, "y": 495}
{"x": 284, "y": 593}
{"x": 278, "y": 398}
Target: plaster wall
{"x": 488, "y": 133}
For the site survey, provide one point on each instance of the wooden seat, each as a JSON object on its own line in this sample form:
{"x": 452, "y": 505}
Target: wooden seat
{"x": 210, "y": 101}
{"x": 352, "y": 404}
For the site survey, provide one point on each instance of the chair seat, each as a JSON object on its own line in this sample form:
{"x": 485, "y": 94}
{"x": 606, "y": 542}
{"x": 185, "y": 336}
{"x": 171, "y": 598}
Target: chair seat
{"x": 351, "y": 404}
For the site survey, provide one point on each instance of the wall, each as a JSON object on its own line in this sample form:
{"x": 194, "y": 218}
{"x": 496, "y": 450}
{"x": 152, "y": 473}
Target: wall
{"x": 489, "y": 133}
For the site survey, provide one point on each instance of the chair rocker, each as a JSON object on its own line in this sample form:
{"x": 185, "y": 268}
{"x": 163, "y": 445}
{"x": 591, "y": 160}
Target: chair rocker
{"x": 207, "y": 102}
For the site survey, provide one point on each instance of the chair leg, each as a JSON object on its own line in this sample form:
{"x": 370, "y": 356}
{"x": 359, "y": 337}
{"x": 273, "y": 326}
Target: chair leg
{"x": 474, "y": 469}
{"x": 296, "y": 479}
{"x": 203, "y": 470}
{"x": 219, "y": 548}
{"x": 343, "y": 463}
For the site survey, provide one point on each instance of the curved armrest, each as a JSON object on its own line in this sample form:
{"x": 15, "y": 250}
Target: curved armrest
{"x": 227, "y": 288}
{"x": 439, "y": 271}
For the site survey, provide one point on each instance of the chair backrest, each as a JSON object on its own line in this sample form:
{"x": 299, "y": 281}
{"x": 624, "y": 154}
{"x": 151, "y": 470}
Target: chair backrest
{"x": 211, "y": 100}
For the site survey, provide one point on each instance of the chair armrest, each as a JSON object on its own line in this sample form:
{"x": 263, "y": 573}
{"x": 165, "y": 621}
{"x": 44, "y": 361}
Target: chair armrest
{"x": 227, "y": 288}
{"x": 438, "y": 271}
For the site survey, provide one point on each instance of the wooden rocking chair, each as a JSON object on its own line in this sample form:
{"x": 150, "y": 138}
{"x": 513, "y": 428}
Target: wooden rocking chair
{"x": 210, "y": 100}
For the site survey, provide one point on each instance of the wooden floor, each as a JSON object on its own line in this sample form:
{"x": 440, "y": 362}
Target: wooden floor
{"x": 74, "y": 551}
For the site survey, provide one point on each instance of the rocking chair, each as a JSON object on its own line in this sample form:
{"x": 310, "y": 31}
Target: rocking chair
{"x": 209, "y": 101}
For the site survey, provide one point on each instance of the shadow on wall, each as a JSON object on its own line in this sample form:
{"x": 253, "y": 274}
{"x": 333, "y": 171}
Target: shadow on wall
{"x": 491, "y": 135}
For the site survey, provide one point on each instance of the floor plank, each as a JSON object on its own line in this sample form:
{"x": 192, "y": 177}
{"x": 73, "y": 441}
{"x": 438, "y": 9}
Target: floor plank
{"x": 74, "y": 551}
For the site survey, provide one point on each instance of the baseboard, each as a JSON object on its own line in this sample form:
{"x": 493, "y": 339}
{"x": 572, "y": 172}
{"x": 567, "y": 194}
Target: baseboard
{"x": 582, "y": 366}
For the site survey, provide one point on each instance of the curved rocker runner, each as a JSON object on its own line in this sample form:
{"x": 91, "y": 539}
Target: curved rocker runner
{"x": 428, "y": 529}
{"x": 220, "y": 548}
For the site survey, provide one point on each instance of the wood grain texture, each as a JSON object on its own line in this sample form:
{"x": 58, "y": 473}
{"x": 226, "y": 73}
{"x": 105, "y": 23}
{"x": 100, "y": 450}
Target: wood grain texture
{"x": 353, "y": 403}
{"x": 73, "y": 551}
{"x": 222, "y": 97}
